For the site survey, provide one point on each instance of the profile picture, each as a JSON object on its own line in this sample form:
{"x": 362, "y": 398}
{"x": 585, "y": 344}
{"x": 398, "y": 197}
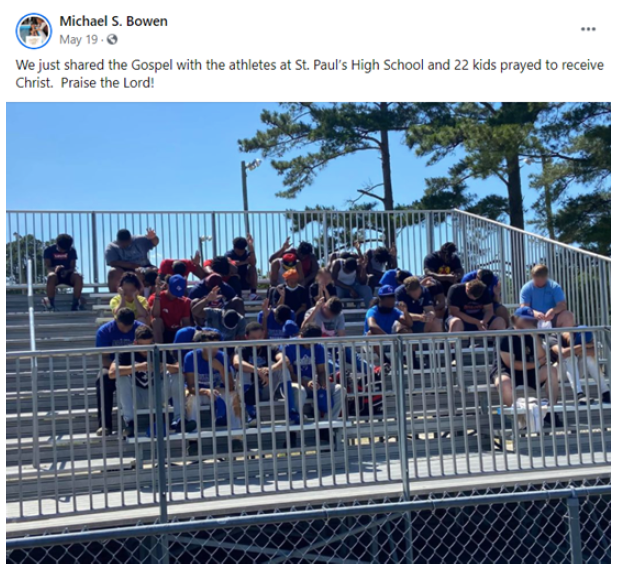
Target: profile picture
{"x": 34, "y": 31}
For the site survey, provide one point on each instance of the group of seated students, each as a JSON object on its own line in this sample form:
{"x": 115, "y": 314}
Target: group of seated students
{"x": 154, "y": 305}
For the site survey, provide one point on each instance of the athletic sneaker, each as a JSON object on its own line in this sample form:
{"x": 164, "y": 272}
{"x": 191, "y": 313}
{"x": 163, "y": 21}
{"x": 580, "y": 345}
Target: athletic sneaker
{"x": 48, "y": 305}
{"x": 253, "y": 297}
{"x": 583, "y": 400}
{"x": 76, "y": 306}
{"x": 238, "y": 447}
{"x": 190, "y": 426}
{"x": 553, "y": 420}
{"x": 129, "y": 430}
{"x": 108, "y": 432}
{"x": 606, "y": 398}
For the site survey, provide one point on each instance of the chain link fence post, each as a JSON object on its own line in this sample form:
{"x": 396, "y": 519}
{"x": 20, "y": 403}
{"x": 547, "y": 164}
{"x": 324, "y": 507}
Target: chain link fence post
{"x": 575, "y": 534}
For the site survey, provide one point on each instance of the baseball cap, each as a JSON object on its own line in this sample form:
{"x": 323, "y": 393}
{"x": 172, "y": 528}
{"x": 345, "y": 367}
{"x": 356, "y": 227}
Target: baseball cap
{"x": 290, "y": 260}
{"x": 525, "y": 313}
{"x": 290, "y": 329}
{"x": 177, "y": 285}
{"x": 583, "y": 338}
{"x": 386, "y": 291}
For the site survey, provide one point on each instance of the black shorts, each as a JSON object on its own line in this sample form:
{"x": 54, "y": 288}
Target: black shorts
{"x": 517, "y": 376}
{"x": 64, "y": 277}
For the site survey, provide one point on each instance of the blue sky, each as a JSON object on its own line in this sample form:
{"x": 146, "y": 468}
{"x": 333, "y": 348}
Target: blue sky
{"x": 174, "y": 157}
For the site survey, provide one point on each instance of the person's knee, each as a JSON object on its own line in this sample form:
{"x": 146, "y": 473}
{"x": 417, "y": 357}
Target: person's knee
{"x": 52, "y": 278}
{"x": 77, "y": 279}
{"x": 498, "y": 324}
{"x": 566, "y": 319}
{"x": 455, "y": 325}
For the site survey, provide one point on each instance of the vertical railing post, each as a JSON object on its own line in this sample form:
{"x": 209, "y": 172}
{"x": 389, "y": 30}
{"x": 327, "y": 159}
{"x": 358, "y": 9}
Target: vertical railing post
{"x": 95, "y": 249}
{"x": 502, "y": 254}
{"x": 430, "y": 230}
{"x": 213, "y": 218}
{"x": 605, "y": 319}
{"x": 400, "y": 397}
{"x": 160, "y": 428}
{"x": 325, "y": 238}
{"x": 575, "y": 535}
{"x": 34, "y": 369}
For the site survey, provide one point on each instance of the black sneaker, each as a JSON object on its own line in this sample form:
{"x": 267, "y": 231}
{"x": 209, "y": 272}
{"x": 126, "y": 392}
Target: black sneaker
{"x": 104, "y": 432}
{"x": 582, "y": 399}
{"x": 606, "y": 398}
{"x": 129, "y": 430}
{"x": 238, "y": 447}
{"x": 190, "y": 426}
{"x": 48, "y": 305}
{"x": 552, "y": 420}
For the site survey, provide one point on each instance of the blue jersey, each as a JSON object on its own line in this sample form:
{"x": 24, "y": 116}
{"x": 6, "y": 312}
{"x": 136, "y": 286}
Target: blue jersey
{"x": 273, "y": 327}
{"x": 303, "y": 356}
{"x": 385, "y": 321}
{"x": 474, "y": 276}
{"x": 109, "y": 335}
{"x": 204, "y": 378}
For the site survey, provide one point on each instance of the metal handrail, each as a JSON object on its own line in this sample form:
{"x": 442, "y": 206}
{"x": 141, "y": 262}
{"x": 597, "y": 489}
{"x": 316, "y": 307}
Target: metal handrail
{"x": 532, "y": 235}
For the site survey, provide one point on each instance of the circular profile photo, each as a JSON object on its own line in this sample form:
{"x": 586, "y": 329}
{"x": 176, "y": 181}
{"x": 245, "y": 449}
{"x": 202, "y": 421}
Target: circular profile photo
{"x": 34, "y": 31}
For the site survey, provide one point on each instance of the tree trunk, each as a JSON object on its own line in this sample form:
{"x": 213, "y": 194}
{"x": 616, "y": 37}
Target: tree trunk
{"x": 516, "y": 200}
{"x": 549, "y": 213}
{"x": 389, "y": 202}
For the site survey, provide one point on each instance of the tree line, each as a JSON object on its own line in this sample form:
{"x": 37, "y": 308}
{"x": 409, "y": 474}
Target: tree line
{"x": 570, "y": 143}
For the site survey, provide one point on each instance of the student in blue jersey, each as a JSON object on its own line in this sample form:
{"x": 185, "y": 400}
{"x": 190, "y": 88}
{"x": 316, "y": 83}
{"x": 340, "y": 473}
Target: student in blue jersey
{"x": 394, "y": 277}
{"x": 272, "y": 320}
{"x": 210, "y": 381}
{"x": 419, "y": 304}
{"x": 494, "y": 287}
{"x": 187, "y": 335}
{"x": 261, "y": 373}
{"x": 116, "y": 333}
{"x": 136, "y": 369}
{"x": 547, "y": 299}
{"x": 385, "y": 318}
{"x": 307, "y": 368}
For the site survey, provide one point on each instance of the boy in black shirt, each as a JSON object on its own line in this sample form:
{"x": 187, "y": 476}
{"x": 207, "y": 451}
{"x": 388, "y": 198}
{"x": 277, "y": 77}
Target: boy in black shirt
{"x": 444, "y": 266}
{"x": 471, "y": 308}
{"x": 243, "y": 257}
{"x": 292, "y": 294}
{"x": 60, "y": 261}
{"x": 525, "y": 364}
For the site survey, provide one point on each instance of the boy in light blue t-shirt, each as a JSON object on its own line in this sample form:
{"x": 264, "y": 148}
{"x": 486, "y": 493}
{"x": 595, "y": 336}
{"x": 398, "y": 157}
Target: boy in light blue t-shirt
{"x": 547, "y": 299}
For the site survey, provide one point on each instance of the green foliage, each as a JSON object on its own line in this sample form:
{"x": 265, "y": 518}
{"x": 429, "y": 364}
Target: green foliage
{"x": 586, "y": 220}
{"x": 320, "y": 133}
{"x": 18, "y": 252}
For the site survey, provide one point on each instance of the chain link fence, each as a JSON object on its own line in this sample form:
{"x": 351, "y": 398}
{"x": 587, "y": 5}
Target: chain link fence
{"x": 555, "y": 523}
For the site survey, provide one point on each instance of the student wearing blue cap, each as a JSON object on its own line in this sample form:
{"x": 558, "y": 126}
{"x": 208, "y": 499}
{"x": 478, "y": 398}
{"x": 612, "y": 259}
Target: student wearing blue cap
{"x": 523, "y": 361}
{"x": 385, "y": 318}
{"x": 170, "y": 309}
{"x": 575, "y": 353}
